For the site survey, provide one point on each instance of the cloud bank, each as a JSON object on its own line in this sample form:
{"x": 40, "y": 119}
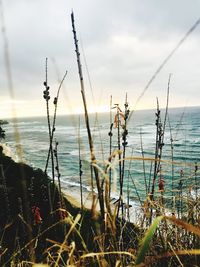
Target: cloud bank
{"x": 123, "y": 43}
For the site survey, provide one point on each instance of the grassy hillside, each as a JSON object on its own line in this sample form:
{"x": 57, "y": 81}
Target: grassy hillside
{"x": 26, "y": 238}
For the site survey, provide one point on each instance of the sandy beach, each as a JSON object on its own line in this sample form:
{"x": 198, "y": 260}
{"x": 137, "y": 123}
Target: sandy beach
{"x": 75, "y": 199}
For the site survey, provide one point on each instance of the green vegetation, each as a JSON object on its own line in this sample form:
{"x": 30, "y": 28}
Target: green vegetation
{"x": 2, "y": 134}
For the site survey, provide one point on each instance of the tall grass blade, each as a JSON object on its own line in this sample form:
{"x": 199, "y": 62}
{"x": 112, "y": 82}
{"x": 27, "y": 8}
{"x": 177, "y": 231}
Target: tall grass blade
{"x": 146, "y": 240}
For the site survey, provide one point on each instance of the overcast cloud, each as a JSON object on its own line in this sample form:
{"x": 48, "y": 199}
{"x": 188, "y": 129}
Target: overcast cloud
{"x": 123, "y": 41}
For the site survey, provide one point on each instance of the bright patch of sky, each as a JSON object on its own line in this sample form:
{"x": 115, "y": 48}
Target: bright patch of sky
{"x": 122, "y": 43}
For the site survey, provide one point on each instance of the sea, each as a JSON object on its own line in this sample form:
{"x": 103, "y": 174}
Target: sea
{"x": 180, "y": 153}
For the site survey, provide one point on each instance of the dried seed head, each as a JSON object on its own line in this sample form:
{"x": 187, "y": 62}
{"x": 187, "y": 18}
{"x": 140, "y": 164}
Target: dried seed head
{"x": 55, "y": 101}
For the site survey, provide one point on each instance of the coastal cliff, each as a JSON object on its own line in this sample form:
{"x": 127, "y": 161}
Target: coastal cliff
{"x": 22, "y": 189}
{"x": 29, "y": 225}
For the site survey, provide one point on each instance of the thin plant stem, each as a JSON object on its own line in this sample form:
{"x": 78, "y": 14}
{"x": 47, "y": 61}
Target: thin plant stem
{"x": 143, "y": 163}
{"x": 165, "y": 61}
{"x": 90, "y": 140}
{"x": 58, "y": 173}
{"x": 110, "y": 147}
{"x": 80, "y": 164}
{"x": 172, "y": 159}
{"x": 135, "y": 187}
{"x": 54, "y": 118}
{"x": 124, "y": 144}
{"x": 156, "y": 151}
{"x": 162, "y": 131}
{"x": 47, "y": 98}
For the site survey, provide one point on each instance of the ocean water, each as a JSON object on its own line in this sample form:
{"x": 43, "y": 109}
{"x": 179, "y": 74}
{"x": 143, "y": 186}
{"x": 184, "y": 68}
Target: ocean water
{"x": 183, "y": 127}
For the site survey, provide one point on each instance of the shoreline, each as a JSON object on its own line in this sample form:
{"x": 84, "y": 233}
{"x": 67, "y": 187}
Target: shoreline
{"x": 132, "y": 214}
{"x": 75, "y": 199}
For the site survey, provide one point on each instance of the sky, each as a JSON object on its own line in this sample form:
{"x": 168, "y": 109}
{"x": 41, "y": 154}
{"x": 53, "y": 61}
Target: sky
{"x": 122, "y": 43}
